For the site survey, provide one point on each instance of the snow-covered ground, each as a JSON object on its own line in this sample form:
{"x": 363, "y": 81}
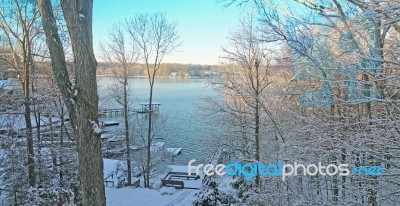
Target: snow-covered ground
{"x": 165, "y": 196}
{"x": 151, "y": 197}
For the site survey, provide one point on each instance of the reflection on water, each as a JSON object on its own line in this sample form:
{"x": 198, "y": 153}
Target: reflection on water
{"x": 178, "y": 97}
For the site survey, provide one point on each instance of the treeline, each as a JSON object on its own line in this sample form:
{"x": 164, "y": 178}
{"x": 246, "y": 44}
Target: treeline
{"x": 166, "y": 69}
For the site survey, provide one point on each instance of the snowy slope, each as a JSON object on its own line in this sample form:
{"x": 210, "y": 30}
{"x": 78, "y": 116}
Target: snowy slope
{"x": 150, "y": 197}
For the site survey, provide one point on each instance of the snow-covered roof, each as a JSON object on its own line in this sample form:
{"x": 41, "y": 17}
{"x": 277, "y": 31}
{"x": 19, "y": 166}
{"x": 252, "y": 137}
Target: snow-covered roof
{"x": 17, "y": 121}
{"x": 9, "y": 84}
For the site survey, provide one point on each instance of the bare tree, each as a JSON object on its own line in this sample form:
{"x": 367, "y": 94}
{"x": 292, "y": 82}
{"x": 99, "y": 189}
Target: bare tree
{"x": 159, "y": 159}
{"x": 121, "y": 55}
{"x": 156, "y": 38}
{"x": 81, "y": 97}
{"x": 342, "y": 93}
{"x": 243, "y": 84}
{"x": 20, "y": 26}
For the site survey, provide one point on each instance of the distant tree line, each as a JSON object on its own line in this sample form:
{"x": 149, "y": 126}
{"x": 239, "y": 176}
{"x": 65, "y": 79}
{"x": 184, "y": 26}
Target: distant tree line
{"x": 166, "y": 69}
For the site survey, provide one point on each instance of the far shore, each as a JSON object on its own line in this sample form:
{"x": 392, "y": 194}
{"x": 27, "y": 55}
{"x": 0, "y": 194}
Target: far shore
{"x": 162, "y": 77}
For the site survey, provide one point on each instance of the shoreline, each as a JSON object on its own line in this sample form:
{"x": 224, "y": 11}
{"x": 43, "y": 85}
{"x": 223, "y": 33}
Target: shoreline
{"x": 143, "y": 77}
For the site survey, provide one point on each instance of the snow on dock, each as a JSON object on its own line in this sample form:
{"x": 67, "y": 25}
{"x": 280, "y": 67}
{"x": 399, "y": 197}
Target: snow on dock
{"x": 157, "y": 145}
{"x": 134, "y": 147}
{"x": 116, "y": 138}
{"x": 109, "y": 123}
{"x": 174, "y": 151}
{"x": 106, "y": 136}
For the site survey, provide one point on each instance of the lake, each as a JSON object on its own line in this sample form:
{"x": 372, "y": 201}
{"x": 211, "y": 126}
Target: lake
{"x": 179, "y": 99}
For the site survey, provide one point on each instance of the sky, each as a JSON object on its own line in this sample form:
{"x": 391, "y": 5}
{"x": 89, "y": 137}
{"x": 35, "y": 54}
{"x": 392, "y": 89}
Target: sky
{"x": 203, "y": 25}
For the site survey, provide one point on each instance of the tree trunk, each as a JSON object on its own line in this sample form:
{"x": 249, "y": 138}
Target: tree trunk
{"x": 28, "y": 123}
{"x": 61, "y": 145}
{"x": 257, "y": 136}
{"x": 126, "y": 113}
{"x": 148, "y": 160}
{"x": 81, "y": 100}
{"x": 36, "y": 113}
{"x": 29, "y": 142}
{"x": 149, "y": 129}
{"x": 257, "y": 122}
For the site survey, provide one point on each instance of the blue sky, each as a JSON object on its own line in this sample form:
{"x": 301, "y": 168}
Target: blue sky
{"x": 203, "y": 25}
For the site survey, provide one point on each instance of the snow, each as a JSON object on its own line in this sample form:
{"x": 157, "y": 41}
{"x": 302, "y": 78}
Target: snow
{"x": 113, "y": 172}
{"x": 165, "y": 196}
{"x": 134, "y": 147}
{"x": 144, "y": 197}
{"x": 117, "y": 138}
{"x": 96, "y": 128}
{"x": 17, "y": 121}
{"x": 174, "y": 151}
{"x": 81, "y": 17}
{"x": 10, "y": 84}
{"x": 109, "y": 166}
{"x": 167, "y": 190}
{"x": 191, "y": 183}
{"x": 105, "y": 136}
{"x": 157, "y": 146}
{"x": 109, "y": 123}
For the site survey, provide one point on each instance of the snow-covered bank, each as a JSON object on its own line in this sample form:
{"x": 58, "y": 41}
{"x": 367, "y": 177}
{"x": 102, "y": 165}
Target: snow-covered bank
{"x": 144, "y": 196}
{"x": 141, "y": 196}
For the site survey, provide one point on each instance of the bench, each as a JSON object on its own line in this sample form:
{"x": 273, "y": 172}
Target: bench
{"x": 185, "y": 176}
{"x": 182, "y": 175}
{"x": 173, "y": 183}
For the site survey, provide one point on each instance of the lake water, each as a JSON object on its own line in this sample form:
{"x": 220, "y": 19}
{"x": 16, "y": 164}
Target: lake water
{"x": 179, "y": 99}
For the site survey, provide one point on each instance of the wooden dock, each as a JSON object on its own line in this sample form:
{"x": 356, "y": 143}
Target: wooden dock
{"x": 111, "y": 112}
{"x": 117, "y": 111}
{"x": 120, "y": 111}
